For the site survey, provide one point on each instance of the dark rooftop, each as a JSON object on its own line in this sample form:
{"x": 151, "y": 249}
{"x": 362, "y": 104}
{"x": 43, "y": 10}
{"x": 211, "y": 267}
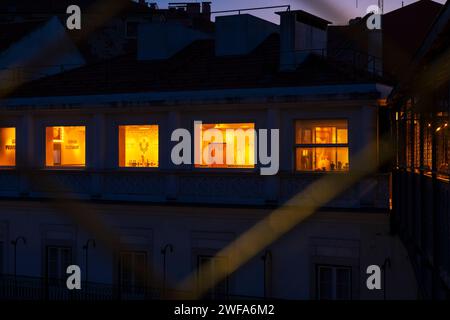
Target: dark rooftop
{"x": 194, "y": 68}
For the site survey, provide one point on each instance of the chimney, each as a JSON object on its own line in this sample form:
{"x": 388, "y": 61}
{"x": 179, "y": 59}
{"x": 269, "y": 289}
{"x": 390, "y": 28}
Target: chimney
{"x": 193, "y": 8}
{"x": 206, "y": 10}
{"x": 375, "y": 51}
{"x": 240, "y": 34}
{"x": 301, "y": 34}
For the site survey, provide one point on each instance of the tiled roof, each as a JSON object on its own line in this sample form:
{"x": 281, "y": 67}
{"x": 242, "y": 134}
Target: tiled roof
{"x": 194, "y": 68}
{"x": 13, "y": 32}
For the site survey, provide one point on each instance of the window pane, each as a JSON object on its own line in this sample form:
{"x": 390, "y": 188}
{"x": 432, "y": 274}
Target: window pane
{"x": 343, "y": 283}
{"x": 321, "y": 132}
{"x": 342, "y": 135}
{"x": 138, "y": 146}
{"x": 325, "y": 135}
{"x": 230, "y": 145}
{"x": 305, "y": 159}
{"x": 8, "y": 147}
{"x": 208, "y": 268}
{"x": 322, "y": 159}
{"x": 325, "y": 283}
{"x": 65, "y": 146}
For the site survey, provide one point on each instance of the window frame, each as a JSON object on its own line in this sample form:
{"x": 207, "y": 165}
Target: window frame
{"x": 117, "y": 146}
{"x": 59, "y": 247}
{"x": 15, "y": 150}
{"x": 86, "y": 148}
{"x": 127, "y": 23}
{"x": 133, "y": 288}
{"x": 321, "y": 145}
{"x": 212, "y": 293}
{"x": 212, "y": 170}
{"x": 334, "y": 268}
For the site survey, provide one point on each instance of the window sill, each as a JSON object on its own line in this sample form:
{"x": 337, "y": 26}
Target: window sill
{"x": 8, "y": 168}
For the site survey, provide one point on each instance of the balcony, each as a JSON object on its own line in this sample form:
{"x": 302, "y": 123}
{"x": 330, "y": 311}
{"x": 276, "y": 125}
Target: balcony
{"x": 194, "y": 186}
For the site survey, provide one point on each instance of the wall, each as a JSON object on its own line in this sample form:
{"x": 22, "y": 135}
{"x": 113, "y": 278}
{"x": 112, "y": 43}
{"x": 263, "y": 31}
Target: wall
{"x": 352, "y": 239}
{"x": 103, "y": 178}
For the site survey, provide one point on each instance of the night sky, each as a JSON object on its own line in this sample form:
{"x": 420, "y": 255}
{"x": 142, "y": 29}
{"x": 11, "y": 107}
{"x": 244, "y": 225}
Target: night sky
{"x": 337, "y": 11}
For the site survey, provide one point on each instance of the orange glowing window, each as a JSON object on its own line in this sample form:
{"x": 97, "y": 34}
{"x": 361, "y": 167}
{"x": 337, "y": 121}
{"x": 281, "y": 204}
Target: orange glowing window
{"x": 7, "y": 147}
{"x": 227, "y": 145}
{"x": 138, "y": 146}
{"x": 321, "y": 145}
{"x": 65, "y": 146}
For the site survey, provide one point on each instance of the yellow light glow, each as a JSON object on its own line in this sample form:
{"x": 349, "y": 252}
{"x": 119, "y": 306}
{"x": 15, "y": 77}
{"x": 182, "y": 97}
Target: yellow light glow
{"x": 382, "y": 102}
{"x": 322, "y": 145}
{"x": 65, "y": 146}
{"x": 233, "y": 147}
{"x": 138, "y": 146}
{"x": 7, "y": 147}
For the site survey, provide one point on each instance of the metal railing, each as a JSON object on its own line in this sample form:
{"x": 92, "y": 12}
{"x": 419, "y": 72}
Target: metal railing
{"x": 39, "y": 289}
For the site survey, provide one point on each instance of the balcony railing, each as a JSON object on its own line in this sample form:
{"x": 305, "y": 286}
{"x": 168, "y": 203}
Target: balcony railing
{"x": 422, "y": 219}
{"x": 160, "y": 186}
{"x": 37, "y": 289}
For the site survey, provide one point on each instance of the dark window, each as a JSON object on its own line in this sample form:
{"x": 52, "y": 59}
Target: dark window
{"x": 333, "y": 282}
{"x": 132, "y": 29}
{"x": 58, "y": 259}
{"x": 209, "y": 267}
{"x": 133, "y": 273}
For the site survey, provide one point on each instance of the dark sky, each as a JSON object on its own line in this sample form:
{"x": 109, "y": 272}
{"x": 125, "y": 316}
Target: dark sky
{"x": 337, "y": 11}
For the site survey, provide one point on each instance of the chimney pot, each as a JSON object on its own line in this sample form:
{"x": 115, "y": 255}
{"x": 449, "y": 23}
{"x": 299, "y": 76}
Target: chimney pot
{"x": 301, "y": 34}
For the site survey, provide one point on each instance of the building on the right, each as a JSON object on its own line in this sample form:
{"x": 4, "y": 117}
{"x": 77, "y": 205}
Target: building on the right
{"x": 421, "y": 136}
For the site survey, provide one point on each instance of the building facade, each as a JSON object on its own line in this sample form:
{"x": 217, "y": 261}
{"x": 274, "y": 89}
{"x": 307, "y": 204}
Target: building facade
{"x": 88, "y": 176}
{"x": 420, "y": 127}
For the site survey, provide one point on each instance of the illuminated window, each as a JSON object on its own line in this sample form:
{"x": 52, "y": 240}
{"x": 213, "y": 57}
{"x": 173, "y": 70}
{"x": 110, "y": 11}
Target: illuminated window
{"x": 7, "y": 147}
{"x": 65, "y": 146}
{"x": 230, "y": 145}
{"x": 138, "y": 146}
{"x": 321, "y": 145}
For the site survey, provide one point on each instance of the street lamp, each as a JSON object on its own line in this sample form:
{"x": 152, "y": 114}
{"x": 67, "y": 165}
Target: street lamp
{"x": 164, "y": 253}
{"x": 86, "y": 248}
{"x": 15, "y": 243}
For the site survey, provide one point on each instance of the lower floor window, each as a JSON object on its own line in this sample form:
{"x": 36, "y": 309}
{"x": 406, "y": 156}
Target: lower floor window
{"x": 333, "y": 282}
{"x": 210, "y": 267}
{"x": 133, "y": 272}
{"x": 58, "y": 259}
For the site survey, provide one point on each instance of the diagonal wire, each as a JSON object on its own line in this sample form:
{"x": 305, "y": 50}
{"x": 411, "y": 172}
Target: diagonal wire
{"x": 284, "y": 219}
